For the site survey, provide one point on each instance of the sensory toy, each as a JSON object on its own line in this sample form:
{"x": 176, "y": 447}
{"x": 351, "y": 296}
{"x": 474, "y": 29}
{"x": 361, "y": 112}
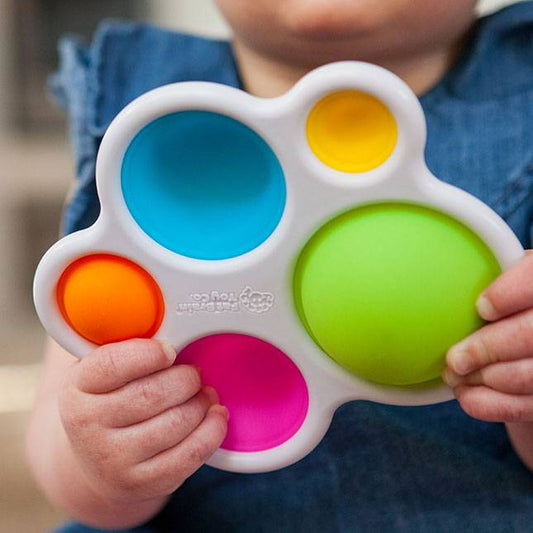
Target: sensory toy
{"x": 297, "y": 249}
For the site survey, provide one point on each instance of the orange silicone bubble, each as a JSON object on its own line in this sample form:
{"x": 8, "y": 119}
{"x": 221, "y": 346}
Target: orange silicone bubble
{"x": 106, "y": 298}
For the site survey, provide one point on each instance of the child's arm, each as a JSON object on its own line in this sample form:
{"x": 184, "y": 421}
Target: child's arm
{"x": 492, "y": 370}
{"x": 113, "y": 435}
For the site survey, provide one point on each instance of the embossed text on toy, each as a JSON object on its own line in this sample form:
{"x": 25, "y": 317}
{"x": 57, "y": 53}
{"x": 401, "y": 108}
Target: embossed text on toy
{"x": 227, "y": 302}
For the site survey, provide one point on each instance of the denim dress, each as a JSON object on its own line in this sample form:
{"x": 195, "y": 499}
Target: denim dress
{"x": 379, "y": 468}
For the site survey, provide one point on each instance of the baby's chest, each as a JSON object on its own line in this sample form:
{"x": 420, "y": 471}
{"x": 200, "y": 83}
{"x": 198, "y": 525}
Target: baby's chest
{"x": 486, "y": 149}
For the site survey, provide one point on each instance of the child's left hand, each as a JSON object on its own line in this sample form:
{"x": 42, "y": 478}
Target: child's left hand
{"x": 491, "y": 371}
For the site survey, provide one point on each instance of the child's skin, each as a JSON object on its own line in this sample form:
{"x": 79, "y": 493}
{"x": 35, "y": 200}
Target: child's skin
{"x": 113, "y": 435}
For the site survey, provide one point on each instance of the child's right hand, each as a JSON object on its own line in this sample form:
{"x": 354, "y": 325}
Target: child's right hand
{"x": 138, "y": 425}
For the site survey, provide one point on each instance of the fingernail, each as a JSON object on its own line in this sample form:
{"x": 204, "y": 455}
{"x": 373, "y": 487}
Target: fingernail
{"x": 169, "y": 350}
{"x": 212, "y": 394}
{"x": 459, "y": 359}
{"x": 451, "y": 378}
{"x": 221, "y": 410}
{"x": 485, "y": 308}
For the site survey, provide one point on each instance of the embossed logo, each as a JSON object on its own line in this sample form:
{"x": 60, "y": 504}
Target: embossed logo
{"x": 256, "y": 302}
{"x": 227, "y": 302}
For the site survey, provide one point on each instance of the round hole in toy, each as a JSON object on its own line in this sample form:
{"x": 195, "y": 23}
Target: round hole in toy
{"x": 203, "y": 185}
{"x": 106, "y": 298}
{"x": 386, "y": 289}
{"x": 264, "y": 391}
{"x": 351, "y": 131}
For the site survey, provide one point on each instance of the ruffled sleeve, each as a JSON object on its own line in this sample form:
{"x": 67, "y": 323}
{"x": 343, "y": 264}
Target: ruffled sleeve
{"x": 70, "y": 88}
{"x": 95, "y": 82}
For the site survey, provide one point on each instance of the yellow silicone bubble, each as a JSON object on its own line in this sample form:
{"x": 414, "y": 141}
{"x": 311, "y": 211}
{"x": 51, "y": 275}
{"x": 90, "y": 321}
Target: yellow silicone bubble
{"x": 351, "y": 131}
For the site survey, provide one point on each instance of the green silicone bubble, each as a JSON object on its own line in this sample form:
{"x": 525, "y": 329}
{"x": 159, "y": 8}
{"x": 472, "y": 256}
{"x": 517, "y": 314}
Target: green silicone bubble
{"x": 387, "y": 288}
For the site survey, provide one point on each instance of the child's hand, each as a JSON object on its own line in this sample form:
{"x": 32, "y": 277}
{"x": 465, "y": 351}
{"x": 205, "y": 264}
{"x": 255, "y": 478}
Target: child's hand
{"x": 138, "y": 425}
{"x": 491, "y": 371}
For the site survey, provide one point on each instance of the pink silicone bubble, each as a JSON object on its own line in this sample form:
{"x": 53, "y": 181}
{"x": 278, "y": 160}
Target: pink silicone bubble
{"x": 263, "y": 389}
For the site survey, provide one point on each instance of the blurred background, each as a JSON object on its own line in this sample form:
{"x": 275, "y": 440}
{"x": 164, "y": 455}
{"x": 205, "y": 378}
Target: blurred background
{"x": 36, "y": 172}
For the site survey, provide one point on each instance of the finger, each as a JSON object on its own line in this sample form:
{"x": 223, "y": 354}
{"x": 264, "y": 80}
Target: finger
{"x": 149, "y": 438}
{"x": 169, "y": 469}
{"x": 147, "y": 397}
{"x": 494, "y": 406}
{"x": 508, "y": 339}
{"x": 511, "y": 378}
{"x": 510, "y": 293}
{"x": 111, "y": 366}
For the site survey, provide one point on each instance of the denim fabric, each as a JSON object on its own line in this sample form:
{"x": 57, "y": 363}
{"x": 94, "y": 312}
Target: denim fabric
{"x": 379, "y": 468}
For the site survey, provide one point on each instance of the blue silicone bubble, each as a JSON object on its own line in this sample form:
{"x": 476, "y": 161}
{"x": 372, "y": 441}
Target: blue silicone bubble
{"x": 203, "y": 185}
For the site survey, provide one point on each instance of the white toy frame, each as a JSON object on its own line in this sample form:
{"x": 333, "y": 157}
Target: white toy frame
{"x": 315, "y": 194}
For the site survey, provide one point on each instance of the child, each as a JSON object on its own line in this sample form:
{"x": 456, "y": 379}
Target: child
{"x": 116, "y": 438}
